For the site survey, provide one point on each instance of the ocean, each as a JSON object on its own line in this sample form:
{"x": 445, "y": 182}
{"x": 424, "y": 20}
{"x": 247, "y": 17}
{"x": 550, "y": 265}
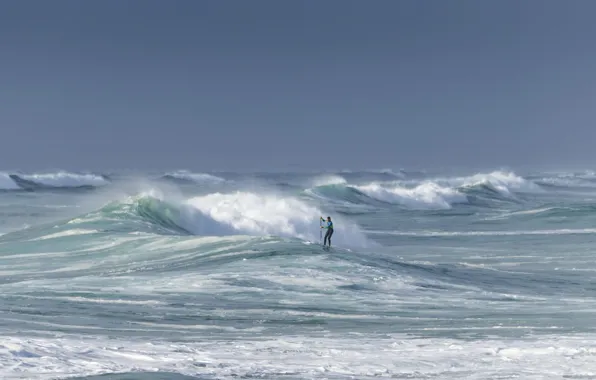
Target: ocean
{"x": 182, "y": 275}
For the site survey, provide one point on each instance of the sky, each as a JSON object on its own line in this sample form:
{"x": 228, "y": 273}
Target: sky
{"x": 291, "y": 85}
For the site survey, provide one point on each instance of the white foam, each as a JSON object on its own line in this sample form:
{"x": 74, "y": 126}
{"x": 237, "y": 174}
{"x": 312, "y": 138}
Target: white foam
{"x": 427, "y": 195}
{"x": 352, "y": 355}
{"x": 260, "y": 214}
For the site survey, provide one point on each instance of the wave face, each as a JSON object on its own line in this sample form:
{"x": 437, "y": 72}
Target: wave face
{"x": 185, "y": 275}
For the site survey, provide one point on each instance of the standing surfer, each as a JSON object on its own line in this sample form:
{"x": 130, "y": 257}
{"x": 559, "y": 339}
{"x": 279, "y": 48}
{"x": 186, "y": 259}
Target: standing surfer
{"x": 329, "y": 228}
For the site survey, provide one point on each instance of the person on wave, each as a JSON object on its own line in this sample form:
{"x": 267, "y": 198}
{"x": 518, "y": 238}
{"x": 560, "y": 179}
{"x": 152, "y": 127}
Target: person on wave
{"x": 329, "y": 228}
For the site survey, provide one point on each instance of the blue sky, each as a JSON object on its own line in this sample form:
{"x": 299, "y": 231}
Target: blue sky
{"x": 273, "y": 85}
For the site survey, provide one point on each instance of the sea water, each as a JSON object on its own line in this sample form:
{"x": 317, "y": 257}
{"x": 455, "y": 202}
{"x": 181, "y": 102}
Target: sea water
{"x": 187, "y": 275}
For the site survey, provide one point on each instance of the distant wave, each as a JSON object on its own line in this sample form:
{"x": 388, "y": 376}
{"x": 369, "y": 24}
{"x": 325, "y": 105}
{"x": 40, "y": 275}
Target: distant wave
{"x": 424, "y": 196}
{"x": 328, "y": 179}
{"x": 198, "y": 178}
{"x": 427, "y": 195}
{"x": 360, "y": 176}
{"x": 574, "y": 181}
{"x": 504, "y": 183}
{"x": 57, "y": 180}
{"x": 432, "y": 193}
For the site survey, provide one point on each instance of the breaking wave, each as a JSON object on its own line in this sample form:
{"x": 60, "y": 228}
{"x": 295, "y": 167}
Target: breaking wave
{"x": 220, "y": 214}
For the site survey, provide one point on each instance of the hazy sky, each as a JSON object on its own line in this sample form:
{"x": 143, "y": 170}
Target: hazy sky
{"x": 247, "y": 85}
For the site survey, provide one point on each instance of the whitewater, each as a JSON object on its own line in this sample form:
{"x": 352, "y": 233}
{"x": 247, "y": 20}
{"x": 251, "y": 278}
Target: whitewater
{"x": 188, "y": 275}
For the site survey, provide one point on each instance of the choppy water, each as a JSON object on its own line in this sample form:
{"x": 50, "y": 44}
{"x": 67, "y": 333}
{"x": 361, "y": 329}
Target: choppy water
{"x": 218, "y": 276}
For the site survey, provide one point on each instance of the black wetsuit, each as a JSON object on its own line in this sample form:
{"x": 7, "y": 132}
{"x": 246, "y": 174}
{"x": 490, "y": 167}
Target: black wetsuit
{"x": 329, "y": 233}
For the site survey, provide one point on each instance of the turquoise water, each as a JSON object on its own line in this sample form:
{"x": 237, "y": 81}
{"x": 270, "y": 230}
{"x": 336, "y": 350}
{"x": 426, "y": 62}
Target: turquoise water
{"x": 219, "y": 276}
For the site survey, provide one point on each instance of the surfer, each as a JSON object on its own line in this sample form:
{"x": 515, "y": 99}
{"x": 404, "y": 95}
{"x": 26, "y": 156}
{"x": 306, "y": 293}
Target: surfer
{"x": 329, "y": 228}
